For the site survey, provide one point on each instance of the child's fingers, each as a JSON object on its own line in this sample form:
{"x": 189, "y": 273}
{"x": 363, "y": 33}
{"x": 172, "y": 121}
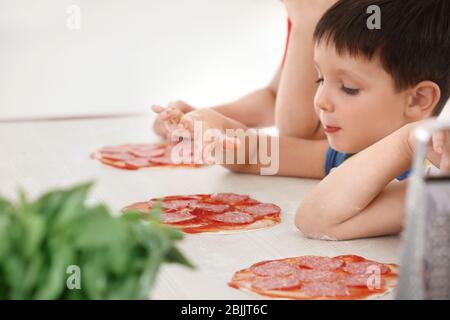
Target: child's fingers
{"x": 157, "y": 109}
{"x": 170, "y": 128}
{"x": 174, "y": 115}
{"x": 445, "y": 163}
{"x": 438, "y": 142}
{"x": 187, "y": 123}
{"x": 445, "y": 159}
{"x": 186, "y": 126}
{"x": 182, "y": 129}
{"x": 169, "y": 112}
{"x": 184, "y": 107}
{"x": 161, "y": 111}
{"x": 172, "y": 118}
{"x": 165, "y": 116}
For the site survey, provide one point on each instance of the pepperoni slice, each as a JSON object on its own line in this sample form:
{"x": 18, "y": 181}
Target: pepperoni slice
{"x": 113, "y": 163}
{"x": 157, "y": 154}
{"x": 210, "y": 207}
{"x": 145, "y": 206}
{"x": 185, "y": 160}
{"x": 147, "y": 153}
{"x": 233, "y": 217}
{"x": 164, "y": 159}
{"x": 350, "y": 258}
{"x": 176, "y": 217}
{"x": 147, "y": 146}
{"x": 212, "y": 215}
{"x": 364, "y": 280}
{"x": 261, "y": 209}
{"x": 370, "y": 267}
{"x": 138, "y": 163}
{"x": 117, "y": 156}
{"x": 319, "y": 263}
{"x": 116, "y": 149}
{"x": 178, "y": 204}
{"x": 277, "y": 283}
{"x": 273, "y": 268}
{"x": 324, "y": 289}
{"x": 181, "y": 148}
{"x": 306, "y": 275}
{"x": 229, "y": 197}
{"x": 182, "y": 197}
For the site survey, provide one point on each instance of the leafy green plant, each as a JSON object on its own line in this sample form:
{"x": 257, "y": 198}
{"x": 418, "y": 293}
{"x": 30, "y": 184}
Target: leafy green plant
{"x": 117, "y": 257}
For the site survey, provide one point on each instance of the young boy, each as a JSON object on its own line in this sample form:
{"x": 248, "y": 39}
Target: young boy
{"x": 288, "y": 99}
{"x": 375, "y": 86}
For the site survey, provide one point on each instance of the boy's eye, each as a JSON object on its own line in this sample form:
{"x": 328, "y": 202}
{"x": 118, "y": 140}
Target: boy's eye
{"x": 350, "y": 91}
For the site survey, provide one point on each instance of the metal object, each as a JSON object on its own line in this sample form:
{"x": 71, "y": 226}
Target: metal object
{"x": 425, "y": 262}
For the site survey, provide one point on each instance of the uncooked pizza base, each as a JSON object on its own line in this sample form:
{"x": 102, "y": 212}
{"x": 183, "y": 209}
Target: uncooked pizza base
{"x": 143, "y": 156}
{"x": 313, "y": 279}
{"x": 220, "y": 213}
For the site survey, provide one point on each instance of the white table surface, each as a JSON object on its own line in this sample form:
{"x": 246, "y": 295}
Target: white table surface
{"x": 41, "y": 155}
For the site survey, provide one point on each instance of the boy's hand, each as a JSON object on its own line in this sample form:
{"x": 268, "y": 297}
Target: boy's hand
{"x": 164, "y": 123}
{"x": 438, "y": 147}
{"x": 207, "y": 126}
{"x": 441, "y": 150}
{"x": 203, "y": 125}
{"x": 307, "y": 11}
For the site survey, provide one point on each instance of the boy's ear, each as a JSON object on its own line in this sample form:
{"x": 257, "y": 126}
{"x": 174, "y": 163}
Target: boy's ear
{"x": 422, "y": 100}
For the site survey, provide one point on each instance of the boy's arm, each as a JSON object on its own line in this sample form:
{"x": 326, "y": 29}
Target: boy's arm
{"x": 255, "y": 109}
{"x": 293, "y": 157}
{"x": 267, "y": 155}
{"x": 294, "y": 109}
{"x": 360, "y": 199}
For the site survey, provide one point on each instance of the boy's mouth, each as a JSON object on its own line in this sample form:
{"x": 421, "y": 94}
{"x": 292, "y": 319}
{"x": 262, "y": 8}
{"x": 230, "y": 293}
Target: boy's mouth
{"x": 329, "y": 129}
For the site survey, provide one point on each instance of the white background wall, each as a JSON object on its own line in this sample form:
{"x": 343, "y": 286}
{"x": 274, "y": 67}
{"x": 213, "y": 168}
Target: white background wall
{"x": 130, "y": 54}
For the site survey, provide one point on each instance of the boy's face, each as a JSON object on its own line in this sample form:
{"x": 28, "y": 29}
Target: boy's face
{"x": 356, "y": 100}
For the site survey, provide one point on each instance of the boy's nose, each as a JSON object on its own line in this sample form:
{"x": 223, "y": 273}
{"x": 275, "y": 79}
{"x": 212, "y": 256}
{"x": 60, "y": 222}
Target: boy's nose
{"x": 323, "y": 103}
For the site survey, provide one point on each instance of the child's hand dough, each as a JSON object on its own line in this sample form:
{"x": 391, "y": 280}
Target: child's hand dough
{"x": 168, "y": 116}
{"x": 212, "y": 123}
